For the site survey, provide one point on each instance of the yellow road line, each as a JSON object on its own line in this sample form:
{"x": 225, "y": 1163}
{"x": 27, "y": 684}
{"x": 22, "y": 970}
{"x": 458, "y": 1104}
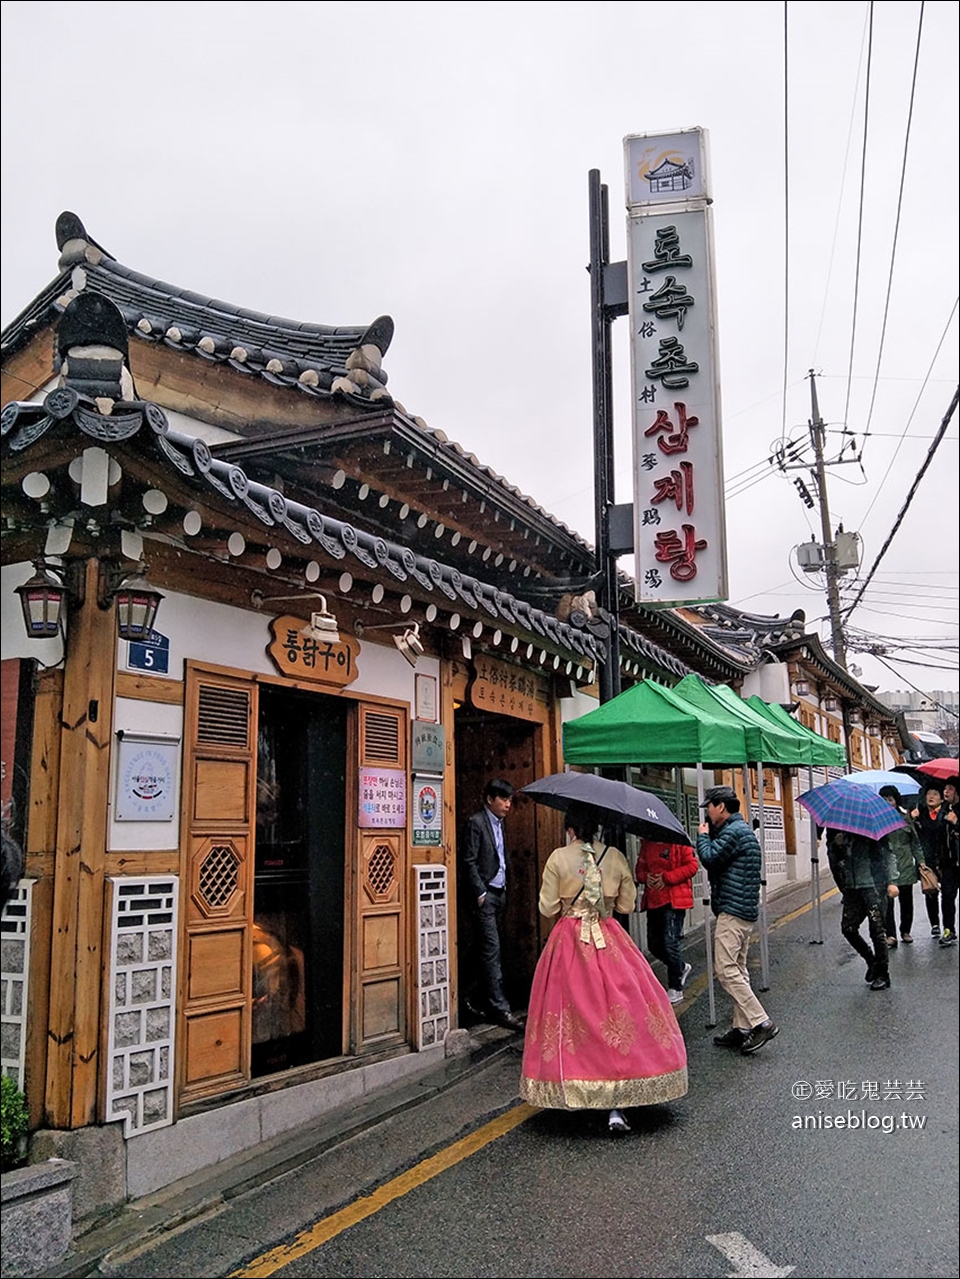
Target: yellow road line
{"x": 329, "y": 1227}
{"x": 269, "y": 1262}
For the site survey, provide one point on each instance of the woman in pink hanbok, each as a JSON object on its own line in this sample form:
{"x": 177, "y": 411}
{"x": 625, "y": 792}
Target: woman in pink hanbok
{"x": 601, "y": 1033}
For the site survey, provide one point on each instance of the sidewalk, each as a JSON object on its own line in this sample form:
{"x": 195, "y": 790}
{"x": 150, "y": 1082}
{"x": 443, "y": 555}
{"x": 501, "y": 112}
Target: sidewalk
{"x": 473, "y": 1087}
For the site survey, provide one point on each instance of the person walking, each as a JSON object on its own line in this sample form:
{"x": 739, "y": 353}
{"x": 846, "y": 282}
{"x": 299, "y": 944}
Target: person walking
{"x": 908, "y": 852}
{"x": 601, "y": 1034}
{"x": 730, "y": 851}
{"x": 950, "y": 863}
{"x": 865, "y": 871}
{"x": 929, "y": 817}
{"x": 666, "y": 872}
{"x": 484, "y": 869}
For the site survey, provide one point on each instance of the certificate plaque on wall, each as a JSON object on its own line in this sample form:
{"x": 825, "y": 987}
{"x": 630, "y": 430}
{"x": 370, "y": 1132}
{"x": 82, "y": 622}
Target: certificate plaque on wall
{"x": 146, "y": 784}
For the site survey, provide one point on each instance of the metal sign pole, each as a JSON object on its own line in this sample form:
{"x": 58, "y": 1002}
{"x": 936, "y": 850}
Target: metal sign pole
{"x": 764, "y": 945}
{"x": 815, "y": 871}
{"x": 707, "y": 940}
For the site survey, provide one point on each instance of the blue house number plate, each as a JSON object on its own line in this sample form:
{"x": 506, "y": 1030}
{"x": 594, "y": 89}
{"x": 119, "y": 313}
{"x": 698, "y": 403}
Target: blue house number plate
{"x": 151, "y": 655}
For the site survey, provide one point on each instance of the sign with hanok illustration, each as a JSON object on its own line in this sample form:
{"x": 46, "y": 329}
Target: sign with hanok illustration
{"x": 427, "y": 812}
{"x": 508, "y": 690}
{"x": 299, "y": 657}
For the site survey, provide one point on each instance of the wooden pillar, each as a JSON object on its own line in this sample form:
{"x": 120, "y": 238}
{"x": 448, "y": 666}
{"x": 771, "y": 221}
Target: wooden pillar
{"x": 73, "y": 1057}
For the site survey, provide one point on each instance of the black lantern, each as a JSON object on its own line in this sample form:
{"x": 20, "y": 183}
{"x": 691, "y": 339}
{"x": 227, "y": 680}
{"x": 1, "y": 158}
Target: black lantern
{"x": 41, "y": 599}
{"x": 137, "y": 603}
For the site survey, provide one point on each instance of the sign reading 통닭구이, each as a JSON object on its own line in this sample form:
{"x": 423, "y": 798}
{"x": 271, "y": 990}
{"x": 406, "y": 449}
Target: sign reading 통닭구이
{"x": 298, "y": 656}
{"x": 679, "y": 519}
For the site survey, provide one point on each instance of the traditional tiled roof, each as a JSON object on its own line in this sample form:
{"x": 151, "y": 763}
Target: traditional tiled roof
{"x": 319, "y": 361}
{"x": 316, "y": 359}
{"x": 745, "y": 636}
{"x": 22, "y": 425}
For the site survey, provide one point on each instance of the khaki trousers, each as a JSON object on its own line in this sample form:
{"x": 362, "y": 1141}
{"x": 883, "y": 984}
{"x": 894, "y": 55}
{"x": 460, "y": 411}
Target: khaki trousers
{"x": 731, "y": 942}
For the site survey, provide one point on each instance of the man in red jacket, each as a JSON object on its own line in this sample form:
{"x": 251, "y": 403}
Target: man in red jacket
{"x": 666, "y": 872}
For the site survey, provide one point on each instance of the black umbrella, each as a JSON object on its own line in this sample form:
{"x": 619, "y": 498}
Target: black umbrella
{"x": 616, "y": 804}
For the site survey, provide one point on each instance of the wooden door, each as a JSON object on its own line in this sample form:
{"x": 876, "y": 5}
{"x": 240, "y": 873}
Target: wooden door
{"x": 381, "y": 890}
{"x": 219, "y": 811}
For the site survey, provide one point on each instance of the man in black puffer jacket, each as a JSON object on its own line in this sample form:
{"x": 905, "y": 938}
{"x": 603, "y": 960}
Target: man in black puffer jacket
{"x": 729, "y": 850}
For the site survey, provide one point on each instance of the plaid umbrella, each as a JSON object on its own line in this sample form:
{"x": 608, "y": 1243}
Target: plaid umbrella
{"x": 843, "y": 805}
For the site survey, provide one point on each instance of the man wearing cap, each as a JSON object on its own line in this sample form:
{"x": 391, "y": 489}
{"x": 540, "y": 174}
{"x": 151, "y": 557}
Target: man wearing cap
{"x": 729, "y": 850}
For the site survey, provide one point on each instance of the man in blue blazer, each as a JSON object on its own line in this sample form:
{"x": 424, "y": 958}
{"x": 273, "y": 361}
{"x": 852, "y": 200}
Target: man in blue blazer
{"x": 484, "y": 867}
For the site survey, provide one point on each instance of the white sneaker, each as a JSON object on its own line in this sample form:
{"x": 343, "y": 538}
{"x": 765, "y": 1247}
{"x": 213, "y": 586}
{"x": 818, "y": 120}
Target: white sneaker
{"x": 675, "y": 996}
{"x": 687, "y": 970}
{"x": 617, "y": 1122}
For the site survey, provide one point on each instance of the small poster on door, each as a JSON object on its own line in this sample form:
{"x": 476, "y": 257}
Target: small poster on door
{"x": 383, "y": 798}
{"x": 427, "y": 812}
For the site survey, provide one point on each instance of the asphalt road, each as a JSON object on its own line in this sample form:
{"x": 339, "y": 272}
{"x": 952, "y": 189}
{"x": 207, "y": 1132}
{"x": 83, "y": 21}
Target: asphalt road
{"x": 750, "y": 1174}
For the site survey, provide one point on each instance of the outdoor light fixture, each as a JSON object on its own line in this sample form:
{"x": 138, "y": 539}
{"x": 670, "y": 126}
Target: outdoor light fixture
{"x": 42, "y": 598}
{"x": 831, "y": 704}
{"x": 801, "y": 687}
{"x": 137, "y": 603}
{"x": 322, "y": 627}
{"x": 408, "y": 642}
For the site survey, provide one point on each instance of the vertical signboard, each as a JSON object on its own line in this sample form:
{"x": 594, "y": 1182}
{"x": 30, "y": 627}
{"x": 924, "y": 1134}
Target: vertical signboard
{"x": 679, "y": 523}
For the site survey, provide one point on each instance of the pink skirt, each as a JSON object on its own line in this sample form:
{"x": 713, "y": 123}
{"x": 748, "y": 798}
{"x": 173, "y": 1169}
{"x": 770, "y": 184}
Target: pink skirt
{"x": 601, "y": 1032}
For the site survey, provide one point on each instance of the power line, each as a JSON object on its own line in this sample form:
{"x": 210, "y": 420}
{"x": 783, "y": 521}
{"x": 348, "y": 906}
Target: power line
{"x": 916, "y": 405}
{"x": 896, "y": 232}
{"x": 863, "y": 174}
{"x": 910, "y": 496}
{"x": 843, "y": 183}
{"x": 786, "y": 219}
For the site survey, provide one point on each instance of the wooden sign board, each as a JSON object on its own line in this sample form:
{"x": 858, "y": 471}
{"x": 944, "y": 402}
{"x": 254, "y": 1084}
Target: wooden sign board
{"x": 508, "y": 690}
{"x": 318, "y": 661}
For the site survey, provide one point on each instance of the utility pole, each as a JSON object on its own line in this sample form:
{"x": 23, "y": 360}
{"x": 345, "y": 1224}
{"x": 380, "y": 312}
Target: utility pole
{"x": 818, "y": 438}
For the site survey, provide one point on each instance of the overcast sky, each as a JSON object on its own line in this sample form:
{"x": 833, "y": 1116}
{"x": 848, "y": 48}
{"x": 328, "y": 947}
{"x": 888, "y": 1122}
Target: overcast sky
{"x": 332, "y": 163}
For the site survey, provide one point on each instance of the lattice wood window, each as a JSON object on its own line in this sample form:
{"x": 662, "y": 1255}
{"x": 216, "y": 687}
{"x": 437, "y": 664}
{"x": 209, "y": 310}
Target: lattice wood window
{"x": 218, "y": 876}
{"x": 381, "y": 873}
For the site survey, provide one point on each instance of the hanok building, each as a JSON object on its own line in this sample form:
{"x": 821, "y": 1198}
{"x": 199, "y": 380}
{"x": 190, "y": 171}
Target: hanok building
{"x": 265, "y": 638}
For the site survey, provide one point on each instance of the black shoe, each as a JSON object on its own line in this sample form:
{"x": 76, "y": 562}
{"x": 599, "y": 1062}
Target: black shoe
{"x": 732, "y": 1039}
{"x": 881, "y": 982}
{"x": 759, "y": 1036}
{"x": 871, "y": 972}
{"x": 470, "y": 1012}
{"x": 509, "y": 1021}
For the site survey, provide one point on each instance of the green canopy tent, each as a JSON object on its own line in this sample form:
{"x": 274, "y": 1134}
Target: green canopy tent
{"x": 766, "y": 741}
{"x": 823, "y": 752}
{"x": 650, "y": 724}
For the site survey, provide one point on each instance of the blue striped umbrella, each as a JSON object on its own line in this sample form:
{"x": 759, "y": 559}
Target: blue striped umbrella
{"x": 842, "y": 805}
{"x": 877, "y": 777}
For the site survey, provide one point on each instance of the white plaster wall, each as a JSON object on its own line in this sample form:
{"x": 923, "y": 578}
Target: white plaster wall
{"x": 574, "y": 707}
{"x": 205, "y": 631}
